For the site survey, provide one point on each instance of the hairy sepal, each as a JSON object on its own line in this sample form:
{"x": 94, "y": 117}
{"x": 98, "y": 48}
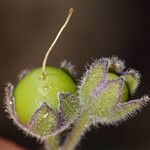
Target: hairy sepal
{"x": 43, "y": 121}
{"x": 93, "y": 81}
{"x": 9, "y": 104}
{"x": 69, "y": 68}
{"x": 132, "y": 79}
{"x": 69, "y": 107}
{"x": 107, "y": 98}
{"x": 117, "y": 65}
{"x": 122, "y": 111}
{"x": 23, "y": 74}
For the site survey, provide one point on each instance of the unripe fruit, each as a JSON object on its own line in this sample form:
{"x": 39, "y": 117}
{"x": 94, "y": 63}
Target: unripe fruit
{"x": 34, "y": 89}
{"x": 47, "y": 104}
{"x": 43, "y": 105}
{"x": 45, "y": 101}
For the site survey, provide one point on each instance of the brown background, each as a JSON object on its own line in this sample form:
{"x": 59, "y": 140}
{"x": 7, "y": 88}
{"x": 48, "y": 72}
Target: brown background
{"x": 99, "y": 28}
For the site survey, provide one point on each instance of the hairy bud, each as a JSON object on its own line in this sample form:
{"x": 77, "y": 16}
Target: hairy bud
{"x": 106, "y": 89}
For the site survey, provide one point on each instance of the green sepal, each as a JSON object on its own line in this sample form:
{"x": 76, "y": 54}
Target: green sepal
{"x": 69, "y": 107}
{"x": 125, "y": 91}
{"x": 132, "y": 79}
{"x": 93, "y": 77}
{"x": 116, "y": 64}
{"x": 124, "y": 110}
{"x": 107, "y": 99}
{"x": 43, "y": 121}
{"x": 69, "y": 68}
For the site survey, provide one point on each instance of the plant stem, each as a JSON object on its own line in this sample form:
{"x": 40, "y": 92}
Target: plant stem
{"x": 78, "y": 130}
{"x": 52, "y": 143}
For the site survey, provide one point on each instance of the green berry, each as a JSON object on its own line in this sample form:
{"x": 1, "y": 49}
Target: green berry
{"x": 45, "y": 101}
{"x": 45, "y": 104}
{"x": 34, "y": 89}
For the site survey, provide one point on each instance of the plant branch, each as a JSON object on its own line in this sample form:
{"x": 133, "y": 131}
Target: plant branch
{"x": 77, "y": 132}
{"x": 52, "y": 143}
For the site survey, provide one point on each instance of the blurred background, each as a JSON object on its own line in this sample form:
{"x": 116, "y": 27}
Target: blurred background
{"x": 99, "y": 28}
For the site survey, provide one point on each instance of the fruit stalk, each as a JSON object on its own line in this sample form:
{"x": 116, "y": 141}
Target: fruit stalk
{"x": 80, "y": 127}
{"x": 52, "y": 143}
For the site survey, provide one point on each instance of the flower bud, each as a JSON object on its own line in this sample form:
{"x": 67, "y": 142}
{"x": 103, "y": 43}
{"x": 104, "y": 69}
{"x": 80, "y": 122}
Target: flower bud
{"x": 106, "y": 89}
{"x": 43, "y": 105}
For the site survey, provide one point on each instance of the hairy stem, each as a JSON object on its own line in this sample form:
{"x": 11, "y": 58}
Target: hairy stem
{"x": 52, "y": 143}
{"x": 76, "y": 133}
